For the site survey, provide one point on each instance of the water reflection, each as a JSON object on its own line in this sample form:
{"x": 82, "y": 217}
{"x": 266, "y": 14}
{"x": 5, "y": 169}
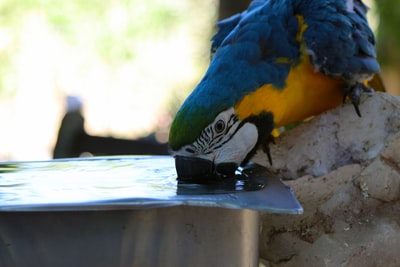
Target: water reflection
{"x": 102, "y": 179}
{"x": 67, "y": 181}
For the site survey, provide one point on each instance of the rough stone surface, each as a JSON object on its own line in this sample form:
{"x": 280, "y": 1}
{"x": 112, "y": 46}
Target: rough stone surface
{"x": 345, "y": 171}
{"x": 380, "y": 180}
{"x": 336, "y": 138}
{"x": 391, "y": 152}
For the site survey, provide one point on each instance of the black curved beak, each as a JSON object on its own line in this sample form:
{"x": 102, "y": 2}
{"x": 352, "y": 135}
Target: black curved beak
{"x": 202, "y": 171}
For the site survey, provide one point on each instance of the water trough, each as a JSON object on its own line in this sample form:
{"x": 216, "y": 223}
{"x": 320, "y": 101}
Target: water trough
{"x": 131, "y": 211}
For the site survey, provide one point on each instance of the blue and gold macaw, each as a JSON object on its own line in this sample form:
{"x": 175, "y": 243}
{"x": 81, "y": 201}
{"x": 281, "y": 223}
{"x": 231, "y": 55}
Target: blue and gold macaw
{"x": 276, "y": 63}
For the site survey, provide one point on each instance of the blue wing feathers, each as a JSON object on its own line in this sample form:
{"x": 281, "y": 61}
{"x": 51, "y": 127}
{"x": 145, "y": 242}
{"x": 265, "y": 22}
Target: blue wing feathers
{"x": 337, "y": 38}
{"x": 341, "y": 40}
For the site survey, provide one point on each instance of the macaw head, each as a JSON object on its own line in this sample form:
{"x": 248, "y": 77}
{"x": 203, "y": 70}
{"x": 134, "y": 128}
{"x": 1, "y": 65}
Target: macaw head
{"x": 208, "y": 138}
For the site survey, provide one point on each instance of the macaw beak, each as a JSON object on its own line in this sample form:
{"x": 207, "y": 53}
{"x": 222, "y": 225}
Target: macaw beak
{"x": 202, "y": 171}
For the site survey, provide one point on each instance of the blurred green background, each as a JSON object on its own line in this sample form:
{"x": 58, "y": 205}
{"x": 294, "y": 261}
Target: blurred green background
{"x": 132, "y": 62}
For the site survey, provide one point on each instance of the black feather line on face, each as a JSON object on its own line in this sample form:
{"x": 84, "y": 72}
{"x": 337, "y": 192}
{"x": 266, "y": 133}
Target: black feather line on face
{"x": 209, "y": 139}
{"x": 265, "y": 124}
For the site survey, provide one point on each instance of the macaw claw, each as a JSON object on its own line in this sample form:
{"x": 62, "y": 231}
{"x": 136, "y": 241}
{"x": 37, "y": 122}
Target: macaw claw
{"x": 354, "y": 92}
{"x": 266, "y": 150}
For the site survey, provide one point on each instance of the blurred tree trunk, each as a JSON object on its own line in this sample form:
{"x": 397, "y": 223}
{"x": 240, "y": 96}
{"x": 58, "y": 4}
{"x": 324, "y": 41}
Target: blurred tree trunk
{"x": 228, "y": 8}
{"x": 388, "y": 31}
{"x": 388, "y": 43}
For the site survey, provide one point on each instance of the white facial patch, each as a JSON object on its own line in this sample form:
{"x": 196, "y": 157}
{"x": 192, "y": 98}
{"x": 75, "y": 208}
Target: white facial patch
{"x": 226, "y": 139}
{"x": 237, "y": 148}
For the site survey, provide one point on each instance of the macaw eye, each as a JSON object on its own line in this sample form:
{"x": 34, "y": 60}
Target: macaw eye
{"x": 219, "y": 126}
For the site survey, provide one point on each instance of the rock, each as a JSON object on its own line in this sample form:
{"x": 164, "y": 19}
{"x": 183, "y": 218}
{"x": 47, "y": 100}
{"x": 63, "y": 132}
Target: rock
{"x": 376, "y": 245}
{"x": 391, "y": 152}
{"x": 313, "y": 192}
{"x": 282, "y": 247}
{"x": 379, "y": 180}
{"x": 345, "y": 171}
{"x": 336, "y": 138}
